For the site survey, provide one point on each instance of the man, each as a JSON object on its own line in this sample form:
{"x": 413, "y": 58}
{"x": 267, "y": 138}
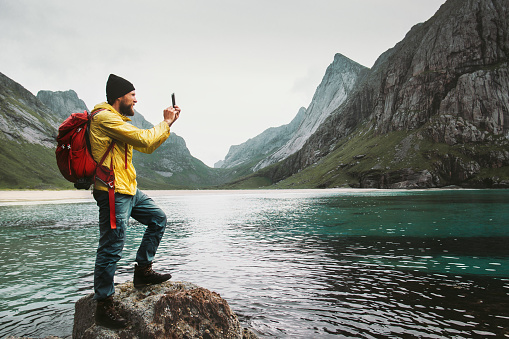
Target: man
{"x": 110, "y": 124}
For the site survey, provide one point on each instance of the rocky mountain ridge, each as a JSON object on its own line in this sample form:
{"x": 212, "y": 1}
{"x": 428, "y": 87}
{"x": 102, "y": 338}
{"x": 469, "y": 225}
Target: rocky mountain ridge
{"x": 62, "y": 102}
{"x": 433, "y": 111}
{"x": 23, "y": 118}
{"x": 27, "y": 134}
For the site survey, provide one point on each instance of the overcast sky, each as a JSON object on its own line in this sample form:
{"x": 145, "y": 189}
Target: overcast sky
{"x": 237, "y": 67}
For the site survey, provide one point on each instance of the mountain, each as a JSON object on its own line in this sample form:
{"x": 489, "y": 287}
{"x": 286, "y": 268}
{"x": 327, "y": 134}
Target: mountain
{"x": 27, "y": 139}
{"x": 173, "y": 166}
{"x": 277, "y": 143}
{"x": 433, "y": 111}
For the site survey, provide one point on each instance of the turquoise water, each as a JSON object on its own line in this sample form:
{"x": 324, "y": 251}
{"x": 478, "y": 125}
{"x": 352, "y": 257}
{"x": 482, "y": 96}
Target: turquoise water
{"x": 296, "y": 264}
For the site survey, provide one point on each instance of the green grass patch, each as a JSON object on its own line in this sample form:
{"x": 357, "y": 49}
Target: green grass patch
{"x": 29, "y": 166}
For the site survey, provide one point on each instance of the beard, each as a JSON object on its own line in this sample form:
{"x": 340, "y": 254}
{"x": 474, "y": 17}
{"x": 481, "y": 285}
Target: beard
{"x": 126, "y": 109}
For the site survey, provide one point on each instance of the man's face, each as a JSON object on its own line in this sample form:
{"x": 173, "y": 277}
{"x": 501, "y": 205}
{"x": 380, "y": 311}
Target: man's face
{"x": 127, "y": 104}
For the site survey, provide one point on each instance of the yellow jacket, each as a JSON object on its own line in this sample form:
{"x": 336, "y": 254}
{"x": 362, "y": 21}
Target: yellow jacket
{"x": 109, "y": 125}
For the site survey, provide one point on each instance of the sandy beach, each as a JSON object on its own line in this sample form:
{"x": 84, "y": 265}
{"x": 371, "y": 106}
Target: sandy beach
{"x": 50, "y": 196}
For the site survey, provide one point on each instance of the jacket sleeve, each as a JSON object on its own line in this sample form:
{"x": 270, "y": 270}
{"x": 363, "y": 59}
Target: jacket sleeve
{"x": 165, "y": 130}
{"x": 143, "y": 140}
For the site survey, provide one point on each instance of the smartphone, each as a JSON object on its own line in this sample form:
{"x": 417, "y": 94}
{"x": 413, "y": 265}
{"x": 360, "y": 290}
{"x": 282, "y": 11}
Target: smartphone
{"x": 173, "y": 99}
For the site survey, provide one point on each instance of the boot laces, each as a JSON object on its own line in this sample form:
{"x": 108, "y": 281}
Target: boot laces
{"x": 150, "y": 271}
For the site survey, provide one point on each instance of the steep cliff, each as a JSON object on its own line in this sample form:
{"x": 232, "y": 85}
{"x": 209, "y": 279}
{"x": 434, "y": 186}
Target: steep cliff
{"x": 433, "y": 110}
{"x": 23, "y": 118}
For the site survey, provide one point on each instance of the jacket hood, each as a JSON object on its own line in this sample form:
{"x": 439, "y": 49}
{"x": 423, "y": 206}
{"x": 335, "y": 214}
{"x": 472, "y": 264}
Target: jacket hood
{"x": 106, "y": 106}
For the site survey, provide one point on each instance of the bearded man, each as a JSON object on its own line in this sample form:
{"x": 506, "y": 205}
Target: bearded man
{"x": 112, "y": 140}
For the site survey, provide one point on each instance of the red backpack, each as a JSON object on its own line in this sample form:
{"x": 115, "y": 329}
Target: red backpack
{"x": 74, "y": 158}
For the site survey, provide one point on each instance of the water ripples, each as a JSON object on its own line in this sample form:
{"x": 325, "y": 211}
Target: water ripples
{"x": 290, "y": 265}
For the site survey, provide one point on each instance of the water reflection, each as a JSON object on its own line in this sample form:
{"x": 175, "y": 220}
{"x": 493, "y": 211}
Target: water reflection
{"x": 299, "y": 265}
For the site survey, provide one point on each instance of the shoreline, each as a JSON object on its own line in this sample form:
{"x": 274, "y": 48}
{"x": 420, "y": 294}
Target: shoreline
{"x": 65, "y": 196}
{"x": 12, "y": 196}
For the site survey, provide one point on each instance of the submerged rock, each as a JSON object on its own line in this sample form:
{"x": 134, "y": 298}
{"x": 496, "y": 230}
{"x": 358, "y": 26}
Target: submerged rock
{"x": 168, "y": 310}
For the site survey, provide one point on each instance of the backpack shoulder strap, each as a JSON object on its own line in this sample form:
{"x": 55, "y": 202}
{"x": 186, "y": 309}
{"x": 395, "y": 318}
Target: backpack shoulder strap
{"x": 91, "y": 115}
{"x": 110, "y": 148}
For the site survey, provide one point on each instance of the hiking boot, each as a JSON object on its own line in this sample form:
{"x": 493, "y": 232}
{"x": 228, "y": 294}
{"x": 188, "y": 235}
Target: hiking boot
{"x": 145, "y": 275}
{"x": 106, "y": 315}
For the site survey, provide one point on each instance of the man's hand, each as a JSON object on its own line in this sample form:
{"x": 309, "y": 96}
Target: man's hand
{"x": 171, "y": 114}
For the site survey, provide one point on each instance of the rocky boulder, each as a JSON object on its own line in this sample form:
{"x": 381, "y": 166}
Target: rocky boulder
{"x": 168, "y": 310}
{"x": 399, "y": 179}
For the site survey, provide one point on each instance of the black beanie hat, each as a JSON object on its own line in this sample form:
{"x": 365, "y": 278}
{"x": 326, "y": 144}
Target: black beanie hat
{"x": 117, "y": 87}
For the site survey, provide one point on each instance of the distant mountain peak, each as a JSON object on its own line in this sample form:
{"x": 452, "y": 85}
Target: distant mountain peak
{"x": 277, "y": 143}
{"x": 337, "y": 83}
{"x": 62, "y": 103}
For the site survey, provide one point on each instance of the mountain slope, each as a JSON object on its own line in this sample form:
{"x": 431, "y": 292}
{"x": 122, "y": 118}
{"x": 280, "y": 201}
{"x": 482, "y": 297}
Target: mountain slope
{"x": 27, "y": 133}
{"x": 433, "y": 111}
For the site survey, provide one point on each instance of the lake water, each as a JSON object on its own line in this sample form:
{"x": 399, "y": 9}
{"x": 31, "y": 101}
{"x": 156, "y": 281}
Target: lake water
{"x": 291, "y": 264}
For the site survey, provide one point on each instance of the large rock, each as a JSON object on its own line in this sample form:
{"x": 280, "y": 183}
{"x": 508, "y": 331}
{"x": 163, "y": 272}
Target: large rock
{"x": 168, "y": 310}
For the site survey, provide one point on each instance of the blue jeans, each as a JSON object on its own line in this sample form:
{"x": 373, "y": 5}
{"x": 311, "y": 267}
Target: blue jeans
{"x": 111, "y": 241}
